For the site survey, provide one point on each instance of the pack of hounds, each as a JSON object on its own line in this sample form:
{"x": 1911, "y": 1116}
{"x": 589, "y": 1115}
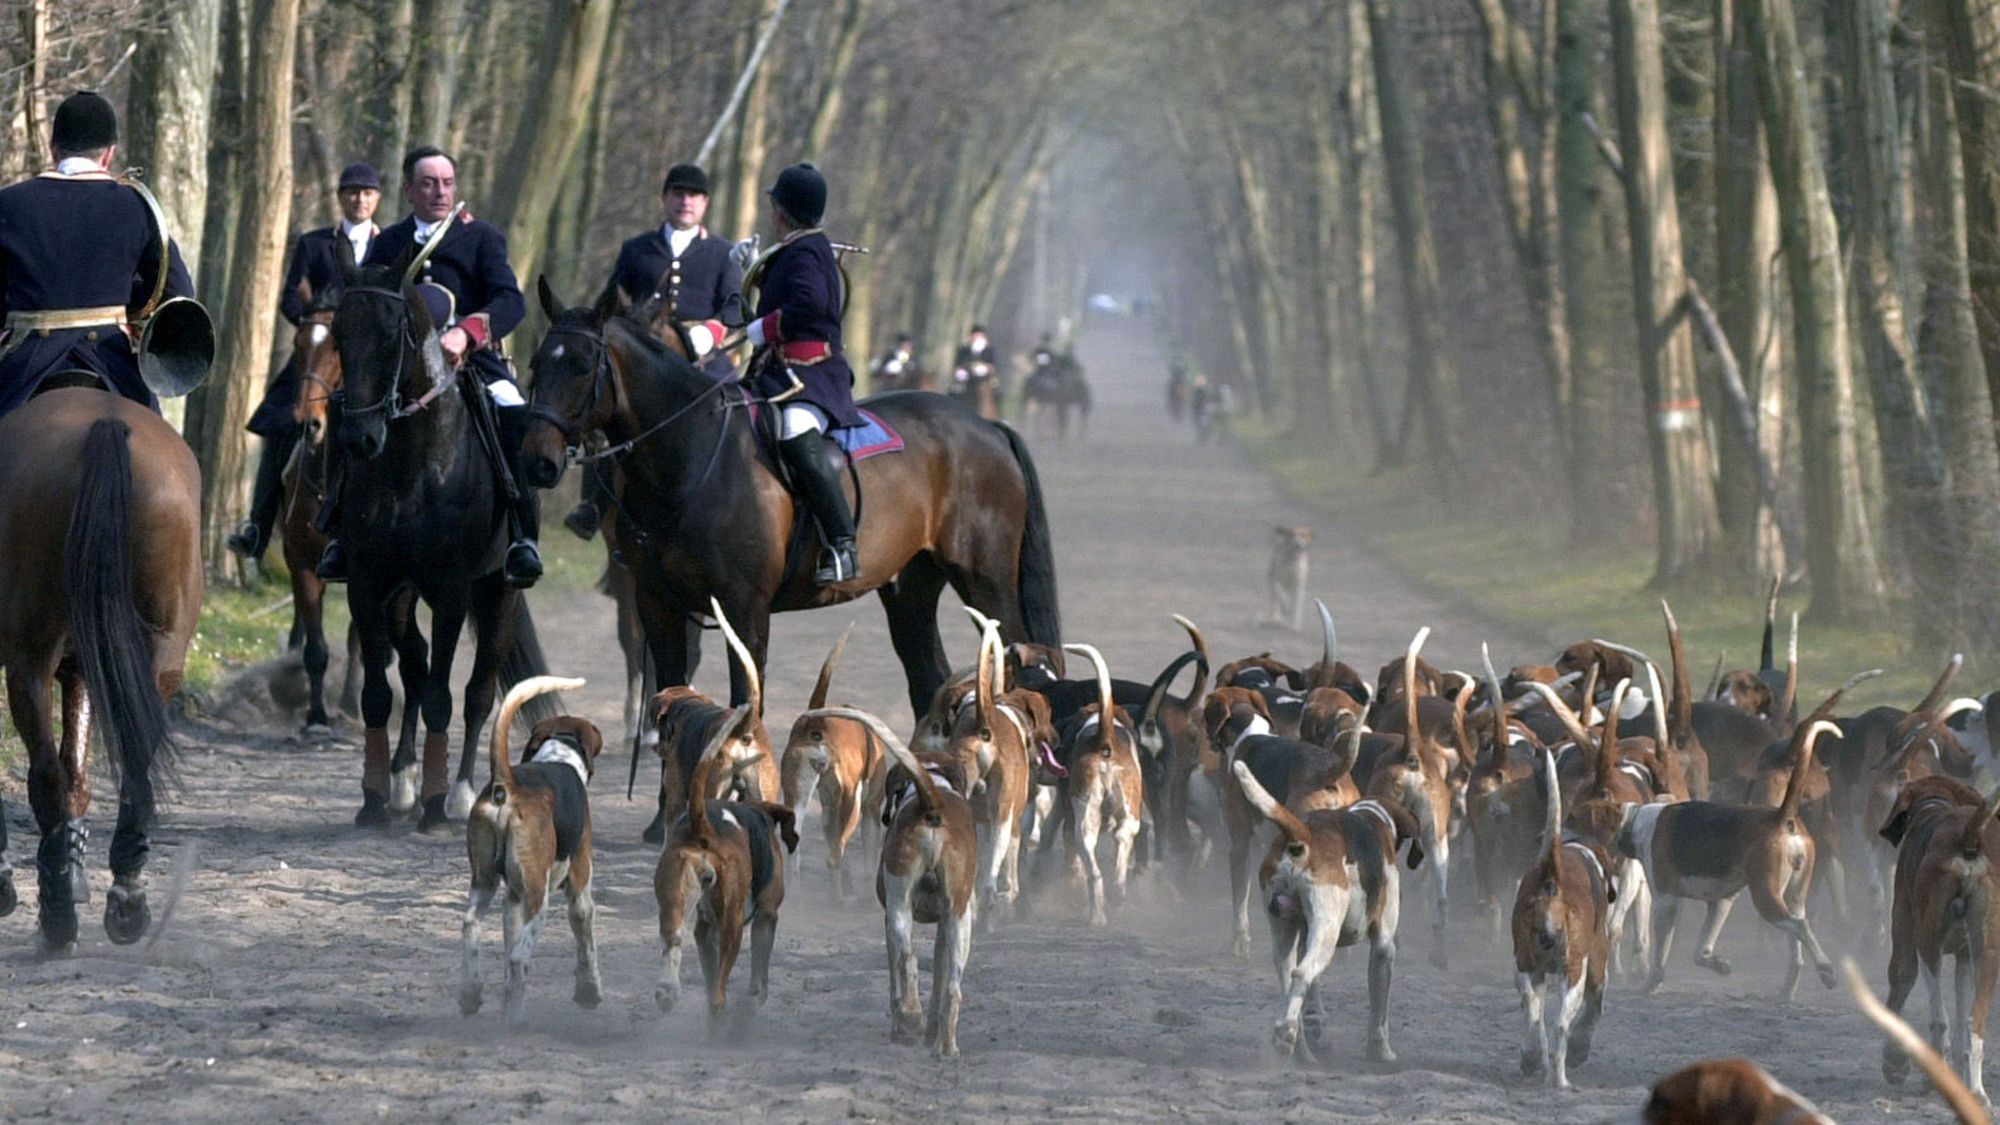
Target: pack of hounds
{"x": 1603, "y": 792}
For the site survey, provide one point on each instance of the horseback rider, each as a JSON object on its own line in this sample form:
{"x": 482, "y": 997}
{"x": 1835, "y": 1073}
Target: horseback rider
{"x": 678, "y": 266}
{"x": 316, "y": 267}
{"x": 798, "y": 366}
{"x": 977, "y": 360}
{"x": 466, "y": 279}
{"x": 897, "y": 369}
{"x": 79, "y": 255}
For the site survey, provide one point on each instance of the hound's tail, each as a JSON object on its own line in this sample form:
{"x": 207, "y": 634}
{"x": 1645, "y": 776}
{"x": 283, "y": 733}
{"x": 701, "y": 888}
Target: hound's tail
{"x": 517, "y": 698}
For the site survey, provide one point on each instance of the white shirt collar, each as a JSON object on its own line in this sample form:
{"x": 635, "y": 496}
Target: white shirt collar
{"x": 77, "y": 165}
{"x": 368, "y": 229}
{"x": 424, "y": 229}
{"x": 678, "y": 241}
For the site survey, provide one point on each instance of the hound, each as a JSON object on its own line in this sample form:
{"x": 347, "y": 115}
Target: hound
{"x": 1105, "y": 787}
{"x": 995, "y": 742}
{"x": 1285, "y": 578}
{"x": 1713, "y": 852}
{"x": 925, "y": 876}
{"x": 838, "y": 758}
{"x": 721, "y": 869}
{"x": 1419, "y": 780}
{"x": 1726, "y": 1092}
{"x": 687, "y": 720}
{"x": 1947, "y": 901}
{"x": 530, "y": 828}
{"x": 1330, "y": 880}
{"x": 1562, "y": 938}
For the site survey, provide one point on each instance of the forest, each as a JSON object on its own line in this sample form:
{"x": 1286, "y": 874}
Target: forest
{"x": 1720, "y": 275}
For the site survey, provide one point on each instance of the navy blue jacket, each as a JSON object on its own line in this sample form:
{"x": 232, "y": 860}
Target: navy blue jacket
{"x": 704, "y": 283}
{"x": 315, "y": 266}
{"x": 78, "y": 243}
{"x": 799, "y": 300}
{"x": 471, "y": 263}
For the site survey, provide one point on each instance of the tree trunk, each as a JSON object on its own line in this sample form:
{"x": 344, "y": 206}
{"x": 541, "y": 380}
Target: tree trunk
{"x": 858, "y": 332}
{"x": 1970, "y": 32}
{"x": 433, "y": 76}
{"x": 751, "y": 142}
{"x": 217, "y": 412}
{"x": 1843, "y": 558}
{"x": 385, "y": 130}
{"x": 227, "y": 137}
{"x": 1431, "y": 386}
{"x": 1966, "y": 603}
{"x": 833, "y": 96}
{"x": 1683, "y": 488}
{"x": 579, "y": 34}
{"x": 166, "y": 117}
{"x": 1364, "y": 143}
{"x": 1746, "y": 229}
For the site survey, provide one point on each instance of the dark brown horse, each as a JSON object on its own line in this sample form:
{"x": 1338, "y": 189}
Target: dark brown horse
{"x": 707, "y": 515}
{"x": 317, "y": 363}
{"x": 1051, "y": 394}
{"x": 100, "y": 587}
{"x": 422, "y": 513}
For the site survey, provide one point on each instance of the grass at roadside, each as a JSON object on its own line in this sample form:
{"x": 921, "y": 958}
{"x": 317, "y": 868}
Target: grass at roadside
{"x": 1517, "y": 570}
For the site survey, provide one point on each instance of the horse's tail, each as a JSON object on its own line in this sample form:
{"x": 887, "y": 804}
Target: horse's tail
{"x": 1037, "y": 582}
{"x": 112, "y": 643}
{"x": 524, "y": 662}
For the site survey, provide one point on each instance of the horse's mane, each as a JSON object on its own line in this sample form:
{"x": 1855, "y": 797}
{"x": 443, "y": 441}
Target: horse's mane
{"x": 377, "y": 276}
{"x": 641, "y": 335}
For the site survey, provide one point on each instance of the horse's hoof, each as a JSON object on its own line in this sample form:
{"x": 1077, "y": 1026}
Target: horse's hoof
{"x": 459, "y": 804}
{"x": 434, "y": 816}
{"x": 374, "y": 810}
{"x": 402, "y": 790}
{"x": 665, "y": 998}
{"x": 126, "y": 915}
{"x": 79, "y": 882}
{"x": 1721, "y": 967}
{"x": 9, "y": 897}
{"x": 58, "y": 928}
{"x": 1826, "y": 975}
{"x": 1531, "y": 1063}
{"x": 469, "y": 1000}
{"x": 1380, "y": 1051}
{"x": 316, "y": 728}
{"x": 588, "y": 994}
{"x": 656, "y": 832}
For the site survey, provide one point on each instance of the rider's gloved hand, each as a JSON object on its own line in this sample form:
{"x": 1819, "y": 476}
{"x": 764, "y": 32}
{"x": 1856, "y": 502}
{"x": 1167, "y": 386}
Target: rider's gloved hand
{"x": 745, "y": 252}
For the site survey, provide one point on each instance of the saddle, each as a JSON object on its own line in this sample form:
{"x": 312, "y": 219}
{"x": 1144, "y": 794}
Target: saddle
{"x": 844, "y": 448}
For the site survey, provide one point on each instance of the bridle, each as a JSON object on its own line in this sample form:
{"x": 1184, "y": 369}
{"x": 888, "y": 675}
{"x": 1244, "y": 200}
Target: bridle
{"x": 391, "y": 403}
{"x": 572, "y": 430}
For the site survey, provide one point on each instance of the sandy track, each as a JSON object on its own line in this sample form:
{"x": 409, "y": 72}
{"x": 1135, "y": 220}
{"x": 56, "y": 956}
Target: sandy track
{"x": 310, "y": 971}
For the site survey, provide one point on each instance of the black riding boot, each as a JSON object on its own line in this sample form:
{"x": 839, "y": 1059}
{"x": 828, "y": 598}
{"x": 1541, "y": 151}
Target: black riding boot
{"x": 333, "y": 560}
{"x": 523, "y": 566}
{"x": 254, "y": 535}
{"x": 818, "y": 484}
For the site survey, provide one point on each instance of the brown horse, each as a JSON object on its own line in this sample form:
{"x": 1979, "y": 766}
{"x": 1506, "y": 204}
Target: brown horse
{"x": 316, "y": 359}
{"x": 100, "y": 586}
{"x": 707, "y": 515}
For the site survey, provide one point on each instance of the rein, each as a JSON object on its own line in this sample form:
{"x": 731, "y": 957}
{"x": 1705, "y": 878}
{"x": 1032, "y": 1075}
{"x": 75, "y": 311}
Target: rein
{"x": 391, "y": 403}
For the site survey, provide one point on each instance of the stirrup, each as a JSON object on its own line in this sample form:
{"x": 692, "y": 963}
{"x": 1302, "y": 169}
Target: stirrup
{"x": 837, "y": 564}
{"x": 584, "y": 519}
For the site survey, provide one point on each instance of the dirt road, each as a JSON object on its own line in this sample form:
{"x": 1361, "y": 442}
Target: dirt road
{"x": 310, "y": 971}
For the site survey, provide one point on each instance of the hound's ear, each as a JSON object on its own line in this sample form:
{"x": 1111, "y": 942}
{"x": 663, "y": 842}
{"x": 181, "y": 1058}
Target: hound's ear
{"x": 1898, "y": 825}
{"x": 551, "y": 307}
{"x": 787, "y": 822}
{"x": 592, "y": 739}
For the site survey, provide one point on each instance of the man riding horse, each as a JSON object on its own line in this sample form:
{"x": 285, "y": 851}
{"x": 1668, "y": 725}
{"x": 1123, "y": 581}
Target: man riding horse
{"x": 476, "y": 301}
{"x": 79, "y": 257}
{"x": 679, "y": 269}
{"x": 798, "y": 365}
{"x": 976, "y": 362}
{"x": 100, "y": 576}
{"x": 316, "y": 268}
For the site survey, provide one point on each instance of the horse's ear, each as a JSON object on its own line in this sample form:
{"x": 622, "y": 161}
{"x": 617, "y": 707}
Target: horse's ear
{"x": 551, "y": 307}
{"x": 609, "y": 303}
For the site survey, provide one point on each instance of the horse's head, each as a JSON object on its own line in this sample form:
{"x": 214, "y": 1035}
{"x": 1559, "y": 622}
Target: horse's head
{"x": 316, "y": 364}
{"x": 575, "y": 391}
{"x": 379, "y": 328}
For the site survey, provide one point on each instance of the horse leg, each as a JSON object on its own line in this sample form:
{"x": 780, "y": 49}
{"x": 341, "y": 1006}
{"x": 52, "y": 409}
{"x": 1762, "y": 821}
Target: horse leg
{"x": 350, "y": 675}
{"x": 28, "y": 698}
{"x": 493, "y": 633}
{"x": 413, "y": 659}
{"x": 911, "y": 605}
{"x": 676, "y": 650}
{"x": 448, "y": 611}
{"x": 309, "y": 608}
{"x": 366, "y": 604}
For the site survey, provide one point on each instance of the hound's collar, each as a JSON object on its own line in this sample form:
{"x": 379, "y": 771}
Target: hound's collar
{"x": 1374, "y": 808}
{"x": 557, "y": 748}
{"x": 1258, "y": 725}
